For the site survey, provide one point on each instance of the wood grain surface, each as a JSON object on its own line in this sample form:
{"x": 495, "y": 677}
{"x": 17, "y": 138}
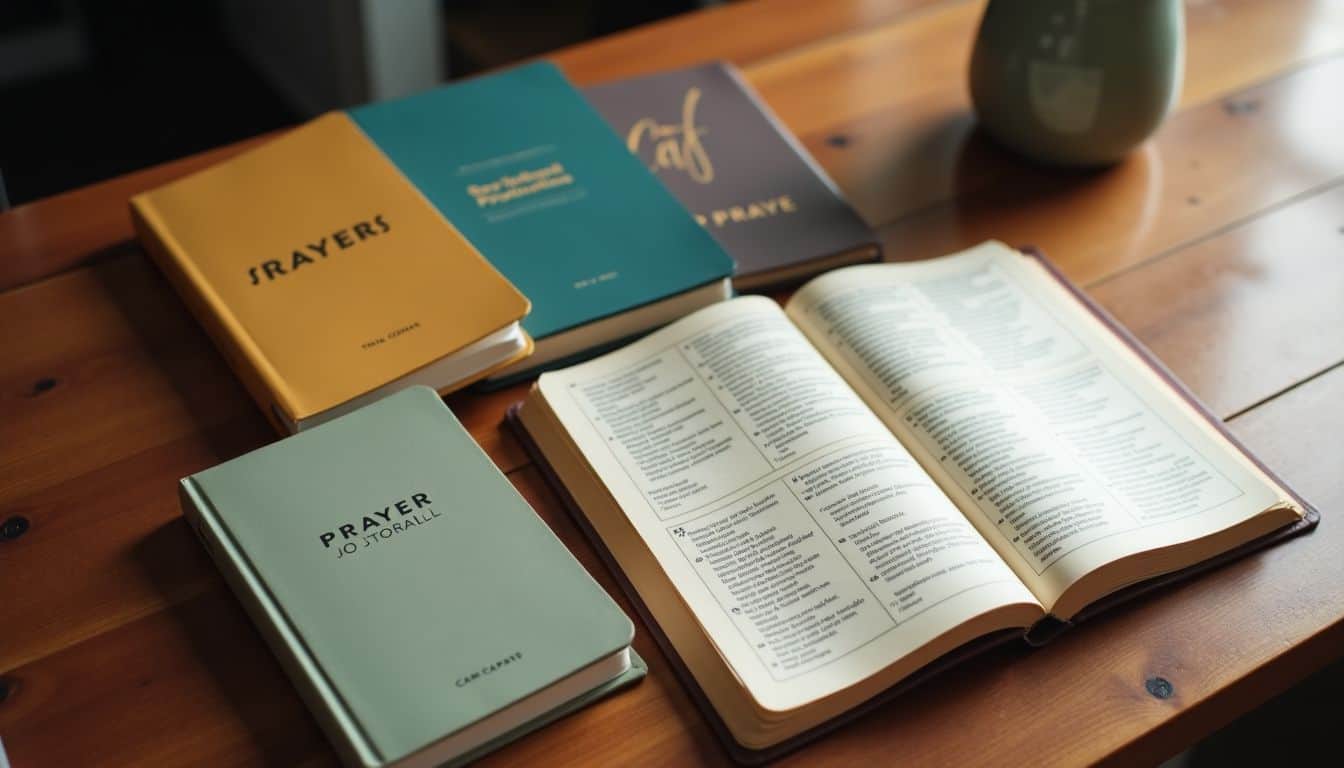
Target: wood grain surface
{"x": 1218, "y": 243}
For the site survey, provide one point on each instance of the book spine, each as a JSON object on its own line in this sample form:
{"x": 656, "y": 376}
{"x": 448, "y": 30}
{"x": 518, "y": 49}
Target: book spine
{"x": 258, "y": 376}
{"x": 321, "y": 698}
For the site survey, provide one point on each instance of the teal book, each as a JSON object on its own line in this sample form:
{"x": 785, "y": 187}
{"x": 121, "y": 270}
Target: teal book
{"x": 539, "y": 183}
{"x": 421, "y": 608}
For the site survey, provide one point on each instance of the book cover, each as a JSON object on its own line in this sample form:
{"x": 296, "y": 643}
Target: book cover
{"x": 717, "y": 146}
{"x": 319, "y": 271}
{"x": 408, "y": 588}
{"x": 525, "y": 168}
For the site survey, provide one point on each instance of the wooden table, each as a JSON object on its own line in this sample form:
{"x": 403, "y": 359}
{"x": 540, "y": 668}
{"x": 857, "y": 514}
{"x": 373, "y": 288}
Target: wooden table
{"x": 1220, "y": 244}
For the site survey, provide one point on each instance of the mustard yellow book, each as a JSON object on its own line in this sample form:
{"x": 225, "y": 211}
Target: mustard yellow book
{"x": 326, "y": 279}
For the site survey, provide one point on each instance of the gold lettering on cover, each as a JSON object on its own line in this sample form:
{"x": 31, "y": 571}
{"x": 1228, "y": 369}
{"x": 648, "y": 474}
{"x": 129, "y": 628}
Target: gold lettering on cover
{"x": 511, "y": 187}
{"x": 751, "y": 211}
{"x": 675, "y": 146}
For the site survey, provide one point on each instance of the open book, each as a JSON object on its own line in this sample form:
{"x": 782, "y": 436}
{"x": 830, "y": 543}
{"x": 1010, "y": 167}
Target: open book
{"x": 812, "y": 504}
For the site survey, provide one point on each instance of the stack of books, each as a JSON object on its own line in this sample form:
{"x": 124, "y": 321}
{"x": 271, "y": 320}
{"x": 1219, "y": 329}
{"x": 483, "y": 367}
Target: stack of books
{"x": 813, "y": 507}
{"x": 488, "y": 230}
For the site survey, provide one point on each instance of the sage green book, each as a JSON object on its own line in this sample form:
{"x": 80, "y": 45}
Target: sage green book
{"x": 417, "y": 602}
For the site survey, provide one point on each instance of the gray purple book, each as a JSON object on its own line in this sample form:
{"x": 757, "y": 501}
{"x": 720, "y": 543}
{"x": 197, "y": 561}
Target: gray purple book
{"x": 750, "y": 183}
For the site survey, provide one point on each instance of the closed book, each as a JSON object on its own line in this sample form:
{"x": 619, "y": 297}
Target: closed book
{"x": 525, "y": 168}
{"x": 325, "y": 278}
{"x": 720, "y": 149}
{"x": 419, "y": 605}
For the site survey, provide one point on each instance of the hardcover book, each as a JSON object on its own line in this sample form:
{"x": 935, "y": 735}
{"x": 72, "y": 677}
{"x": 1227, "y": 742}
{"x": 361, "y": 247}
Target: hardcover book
{"x": 525, "y": 168}
{"x": 817, "y": 506}
{"x": 717, "y": 146}
{"x": 419, "y": 605}
{"x": 325, "y": 279}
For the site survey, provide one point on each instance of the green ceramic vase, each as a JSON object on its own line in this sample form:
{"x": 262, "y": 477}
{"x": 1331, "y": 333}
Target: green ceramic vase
{"x": 1077, "y": 82}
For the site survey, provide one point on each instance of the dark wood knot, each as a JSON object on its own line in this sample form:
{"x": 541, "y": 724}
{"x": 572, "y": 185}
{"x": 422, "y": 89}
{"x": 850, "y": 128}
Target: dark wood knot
{"x": 42, "y": 386}
{"x": 13, "y": 527}
{"x": 1160, "y": 687}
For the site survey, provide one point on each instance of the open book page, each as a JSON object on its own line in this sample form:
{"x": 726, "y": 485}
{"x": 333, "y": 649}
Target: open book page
{"x": 1062, "y": 447}
{"x": 806, "y": 541}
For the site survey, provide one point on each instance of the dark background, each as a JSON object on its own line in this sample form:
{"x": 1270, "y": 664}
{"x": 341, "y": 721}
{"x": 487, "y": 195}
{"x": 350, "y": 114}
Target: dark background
{"x": 126, "y": 85}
